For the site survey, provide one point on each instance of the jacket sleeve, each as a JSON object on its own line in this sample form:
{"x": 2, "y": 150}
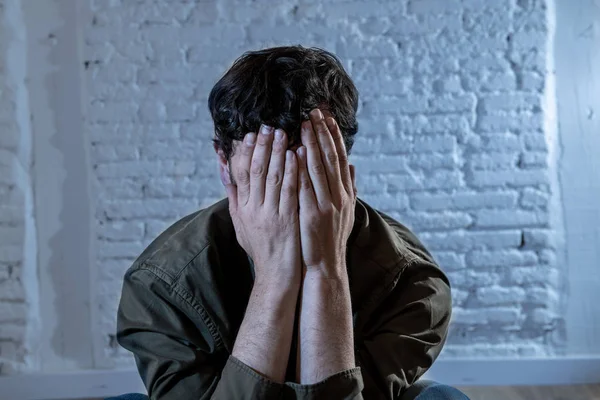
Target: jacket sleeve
{"x": 174, "y": 345}
{"x": 406, "y": 333}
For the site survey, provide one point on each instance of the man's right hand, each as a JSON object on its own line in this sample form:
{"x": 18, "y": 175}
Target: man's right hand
{"x": 264, "y": 206}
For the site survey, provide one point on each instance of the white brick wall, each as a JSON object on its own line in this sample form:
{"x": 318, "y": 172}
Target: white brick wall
{"x": 17, "y": 261}
{"x": 451, "y": 137}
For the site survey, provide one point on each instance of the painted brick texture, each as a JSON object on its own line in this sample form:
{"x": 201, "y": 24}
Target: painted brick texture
{"x": 15, "y": 194}
{"x": 451, "y": 141}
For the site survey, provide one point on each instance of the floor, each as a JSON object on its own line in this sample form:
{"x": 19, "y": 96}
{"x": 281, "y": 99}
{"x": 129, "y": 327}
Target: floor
{"x": 579, "y": 392}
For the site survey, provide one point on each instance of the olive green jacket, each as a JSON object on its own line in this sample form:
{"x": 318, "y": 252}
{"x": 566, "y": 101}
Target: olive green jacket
{"x": 184, "y": 299}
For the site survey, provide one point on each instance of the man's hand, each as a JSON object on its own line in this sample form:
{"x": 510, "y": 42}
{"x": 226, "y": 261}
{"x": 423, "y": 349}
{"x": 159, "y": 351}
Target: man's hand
{"x": 264, "y": 210}
{"x": 264, "y": 205}
{"x": 327, "y": 196}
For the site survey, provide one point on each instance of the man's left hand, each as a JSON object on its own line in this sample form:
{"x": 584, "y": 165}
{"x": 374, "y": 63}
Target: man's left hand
{"x": 327, "y": 196}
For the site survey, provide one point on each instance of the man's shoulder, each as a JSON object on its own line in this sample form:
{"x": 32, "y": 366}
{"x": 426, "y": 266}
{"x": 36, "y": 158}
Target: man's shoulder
{"x": 182, "y": 242}
{"x": 386, "y": 240}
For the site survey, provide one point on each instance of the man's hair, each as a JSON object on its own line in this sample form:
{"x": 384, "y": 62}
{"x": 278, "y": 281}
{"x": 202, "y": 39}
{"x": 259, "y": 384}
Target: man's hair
{"x": 278, "y": 87}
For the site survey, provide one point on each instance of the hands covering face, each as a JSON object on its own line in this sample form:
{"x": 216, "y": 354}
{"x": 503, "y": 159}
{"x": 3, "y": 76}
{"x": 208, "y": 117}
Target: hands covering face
{"x": 288, "y": 204}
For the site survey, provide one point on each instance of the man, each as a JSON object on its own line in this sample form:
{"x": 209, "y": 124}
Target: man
{"x": 292, "y": 287}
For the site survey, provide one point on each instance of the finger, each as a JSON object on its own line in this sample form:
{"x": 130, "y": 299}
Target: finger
{"x": 276, "y": 169}
{"x": 353, "y": 179}
{"x": 329, "y": 155}
{"x": 242, "y": 175}
{"x": 260, "y": 164}
{"x": 288, "y": 202}
{"x": 340, "y": 147}
{"x": 314, "y": 164}
{"x": 306, "y": 194}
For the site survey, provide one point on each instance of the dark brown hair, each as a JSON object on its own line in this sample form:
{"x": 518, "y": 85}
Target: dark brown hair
{"x": 278, "y": 87}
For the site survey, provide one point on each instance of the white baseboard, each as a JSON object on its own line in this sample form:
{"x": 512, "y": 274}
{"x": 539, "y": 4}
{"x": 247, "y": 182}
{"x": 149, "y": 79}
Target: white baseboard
{"x": 515, "y": 372}
{"x": 459, "y": 372}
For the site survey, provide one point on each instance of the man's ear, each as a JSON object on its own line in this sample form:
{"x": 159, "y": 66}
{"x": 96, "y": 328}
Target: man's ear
{"x": 223, "y": 165}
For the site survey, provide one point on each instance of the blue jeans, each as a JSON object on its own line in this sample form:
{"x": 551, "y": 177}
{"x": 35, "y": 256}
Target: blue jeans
{"x": 419, "y": 391}
{"x": 428, "y": 390}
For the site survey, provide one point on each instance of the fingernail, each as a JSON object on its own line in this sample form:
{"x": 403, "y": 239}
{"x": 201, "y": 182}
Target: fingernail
{"x": 250, "y": 138}
{"x": 317, "y": 113}
{"x": 278, "y": 134}
{"x": 265, "y": 130}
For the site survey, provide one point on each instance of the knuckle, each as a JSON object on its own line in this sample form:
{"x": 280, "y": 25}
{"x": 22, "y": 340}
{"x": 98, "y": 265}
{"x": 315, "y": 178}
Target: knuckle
{"x": 305, "y": 183}
{"x": 332, "y": 157}
{"x": 288, "y": 192}
{"x": 243, "y": 177}
{"x": 318, "y": 169}
{"x": 343, "y": 158}
{"x": 273, "y": 179}
{"x": 257, "y": 169}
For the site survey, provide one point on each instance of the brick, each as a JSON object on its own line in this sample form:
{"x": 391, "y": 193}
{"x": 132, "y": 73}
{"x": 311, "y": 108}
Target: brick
{"x": 463, "y": 200}
{"x": 126, "y": 188}
{"x": 121, "y": 230}
{"x": 535, "y": 141}
{"x": 457, "y": 241}
{"x": 533, "y": 275}
{"x": 539, "y": 238}
{"x": 450, "y": 261}
{"x": 463, "y": 316}
{"x": 379, "y": 164}
{"x": 493, "y": 161}
{"x": 532, "y": 81}
{"x": 508, "y": 178}
{"x": 500, "y": 258}
{"x": 543, "y": 316}
{"x": 472, "y": 279}
{"x": 149, "y": 208}
{"x": 450, "y": 84}
{"x": 153, "y": 228}
{"x": 11, "y": 253}
{"x": 106, "y": 249}
{"x": 543, "y": 296}
{"x": 513, "y": 122}
{"x": 12, "y": 290}
{"x": 12, "y": 332}
{"x": 112, "y": 112}
{"x": 13, "y": 217}
{"x": 388, "y": 201}
{"x": 430, "y": 6}
{"x": 504, "y": 315}
{"x": 497, "y": 295}
{"x": 133, "y": 133}
{"x": 503, "y": 142}
{"x": 433, "y": 161}
{"x": 12, "y": 312}
{"x": 353, "y": 47}
{"x": 547, "y": 257}
{"x": 459, "y": 297}
{"x": 529, "y": 160}
{"x": 532, "y": 198}
{"x": 437, "y": 221}
{"x": 128, "y": 169}
{"x": 452, "y": 104}
{"x": 180, "y": 150}
{"x": 442, "y": 179}
{"x": 511, "y": 101}
{"x": 113, "y": 152}
{"x": 510, "y": 218}
{"x": 454, "y": 124}
{"x": 395, "y": 105}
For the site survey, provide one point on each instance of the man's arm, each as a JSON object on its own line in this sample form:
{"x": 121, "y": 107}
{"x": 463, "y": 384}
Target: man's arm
{"x": 264, "y": 210}
{"x": 327, "y": 199}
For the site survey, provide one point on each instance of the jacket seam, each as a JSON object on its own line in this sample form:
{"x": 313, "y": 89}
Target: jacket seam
{"x": 185, "y": 296}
